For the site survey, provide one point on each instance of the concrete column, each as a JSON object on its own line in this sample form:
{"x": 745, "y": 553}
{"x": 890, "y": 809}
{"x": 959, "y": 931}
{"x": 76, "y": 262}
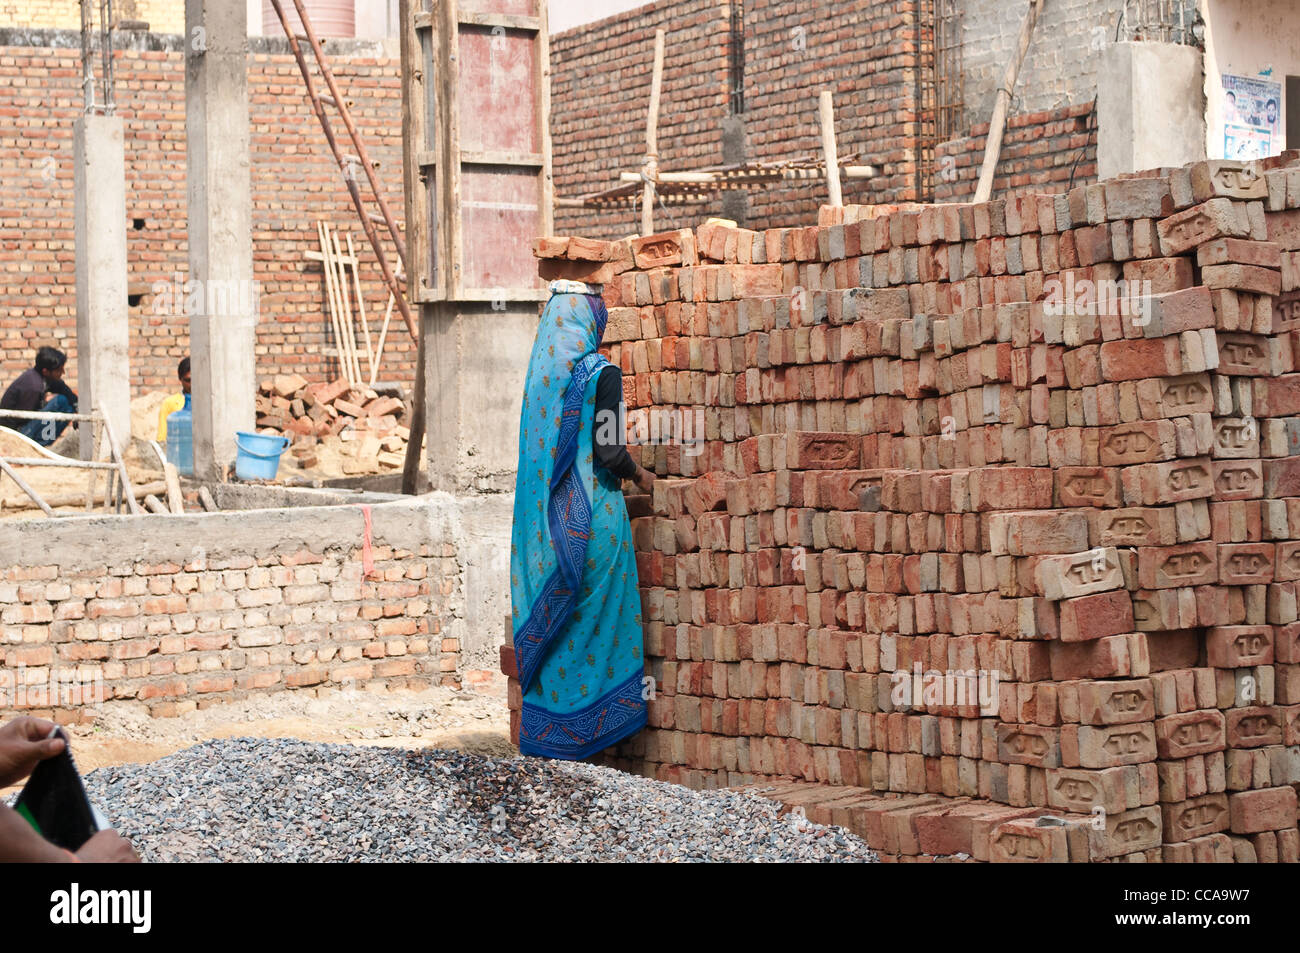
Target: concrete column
{"x": 475, "y": 362}
{"x": 103, "y": 329}
{"x": 735, "y": 204}
{"x": 222, "y": 322}
{"x": 1150, "y": 107}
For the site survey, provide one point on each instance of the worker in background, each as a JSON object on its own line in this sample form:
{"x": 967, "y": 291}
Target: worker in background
{"x": 175, "y": 401}
{"x": 25, "y": 742}
{"x": 28, "y": 393}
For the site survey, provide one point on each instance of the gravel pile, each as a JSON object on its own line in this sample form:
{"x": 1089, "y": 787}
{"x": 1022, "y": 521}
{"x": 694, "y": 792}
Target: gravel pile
{"x": 250, "y": 799}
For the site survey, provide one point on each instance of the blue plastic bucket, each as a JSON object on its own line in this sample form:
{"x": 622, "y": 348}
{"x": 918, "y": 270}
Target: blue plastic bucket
{"x": 259, "y": 455}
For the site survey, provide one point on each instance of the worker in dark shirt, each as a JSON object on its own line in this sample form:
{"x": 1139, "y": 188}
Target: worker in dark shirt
{"x": 612, "y": 454}
{"x": 28, "y": 393}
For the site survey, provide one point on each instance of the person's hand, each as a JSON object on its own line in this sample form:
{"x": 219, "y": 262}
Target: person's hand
{"x": 644, "y": 480}
{"x": 108, "y": 847}
{"x": 24, "y": 743}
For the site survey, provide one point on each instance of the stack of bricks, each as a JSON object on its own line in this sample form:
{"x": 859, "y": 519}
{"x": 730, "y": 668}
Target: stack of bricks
{"x": 933, "y": 460}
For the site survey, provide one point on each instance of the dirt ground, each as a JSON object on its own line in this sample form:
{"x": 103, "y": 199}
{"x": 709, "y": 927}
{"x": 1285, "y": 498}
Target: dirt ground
{"x": 473, "y": 721}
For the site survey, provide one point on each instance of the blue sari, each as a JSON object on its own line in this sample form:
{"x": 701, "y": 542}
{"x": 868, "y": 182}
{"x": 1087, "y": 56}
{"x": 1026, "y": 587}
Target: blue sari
{"x": 575, "y": 603}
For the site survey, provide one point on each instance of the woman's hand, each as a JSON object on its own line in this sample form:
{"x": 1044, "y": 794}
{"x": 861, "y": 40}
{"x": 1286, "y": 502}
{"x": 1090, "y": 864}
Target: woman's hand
{"x": 24, "y": 742}
{"x": 644, "y": 480}
{"x": 108, "y": 847}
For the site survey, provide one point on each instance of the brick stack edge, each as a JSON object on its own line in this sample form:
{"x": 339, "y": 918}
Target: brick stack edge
{"x": 910, "y": 460}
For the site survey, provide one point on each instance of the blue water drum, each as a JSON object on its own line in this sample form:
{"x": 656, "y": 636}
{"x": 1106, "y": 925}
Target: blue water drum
{"x": 180, "y": 439}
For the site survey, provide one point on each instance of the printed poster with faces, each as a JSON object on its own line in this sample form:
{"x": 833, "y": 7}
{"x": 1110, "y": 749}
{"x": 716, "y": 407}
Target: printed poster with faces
{"x": 1252, "y": 117}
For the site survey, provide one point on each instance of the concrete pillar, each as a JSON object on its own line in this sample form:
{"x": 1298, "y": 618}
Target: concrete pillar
{"x": 223, "y": 318}
{"x": 735, "y": 204}
{"x": 1150, "y": 107}
{"x": 475, "y": 362}
{"x": 103, "y": 329}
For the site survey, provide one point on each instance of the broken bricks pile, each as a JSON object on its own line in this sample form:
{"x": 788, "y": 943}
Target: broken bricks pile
{"x": 929, "y": 450}
{"x": 365, "y": 425}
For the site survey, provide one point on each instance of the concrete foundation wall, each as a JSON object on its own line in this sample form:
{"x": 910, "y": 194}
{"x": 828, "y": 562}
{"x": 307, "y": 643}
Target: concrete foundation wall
{"x": 181, "y": 611}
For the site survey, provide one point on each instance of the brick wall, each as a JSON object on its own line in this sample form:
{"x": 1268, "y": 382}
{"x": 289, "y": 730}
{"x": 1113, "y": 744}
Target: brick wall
{"x": 163, "y": 16}
{"x": 866, "y": 54}
{"x": 1060, "y": 68}
{"x": 600, "y": 91}
{"x": 934, "y": 450}
{"x": 1045, "y": 152}
{"x": 294, "y": 183}
{"x": 193, "y": 610}
{"x": 863, "y": 51}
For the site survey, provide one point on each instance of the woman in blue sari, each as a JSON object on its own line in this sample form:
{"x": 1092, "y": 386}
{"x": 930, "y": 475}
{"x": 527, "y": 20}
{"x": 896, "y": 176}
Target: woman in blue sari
{"x": 576, "y": 607}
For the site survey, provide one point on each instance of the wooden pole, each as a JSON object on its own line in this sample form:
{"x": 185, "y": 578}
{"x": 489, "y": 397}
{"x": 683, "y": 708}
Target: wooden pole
{"x": 652, "y": 139}
{"x": 383, "y": 335}
{"x": 1002, "y": 103}
{"x": 361, "y": 310}
{"x": 123, "y": 477}
{"x": 826, "y": 111}
{"x": 22, "y": 485}
{"x": 415, "y": 443}
{"x": 336, "y": 317}
{"x": 345, "y": 297}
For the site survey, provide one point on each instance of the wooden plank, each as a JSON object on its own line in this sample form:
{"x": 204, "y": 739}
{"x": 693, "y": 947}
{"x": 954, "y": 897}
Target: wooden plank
{"x": 1002, "y": 103}
{"x": 451, "y": 212}
{"x": 826, "y": 116}
{"x": 97, "y": 438}
{"x": 361, "y": 310}
{"x": 345, "y": 295}
{"x": 539, "y": 293}
{"x": 543, "y": 82}
{"x": 206, "y": 500}
{"x": 332, "y": 300}
{"x": 25, "y": 487}
{"x": 155, "y": 505}
{"x": 317, "y": 256}
{"x": 64, "y": 464}
{"x": 502, "y": 157}
{"x": 652, "y": 138}
{"x": 419, "y": 38}
{"x": 508, "y": 21}
{"x": 171, "y": 479}
{"x": 123, "y": 476}
{"x": 415, "y": 443}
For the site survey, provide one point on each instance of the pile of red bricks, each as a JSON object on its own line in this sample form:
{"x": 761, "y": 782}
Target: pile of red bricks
{"x": 365, "y": 423}
{"x": 1001, "y": 553}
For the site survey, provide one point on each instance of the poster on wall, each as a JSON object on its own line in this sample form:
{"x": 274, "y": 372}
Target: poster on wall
{"x": 1252, "y": 117}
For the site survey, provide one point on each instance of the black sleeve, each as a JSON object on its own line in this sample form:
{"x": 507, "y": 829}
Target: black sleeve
{"x": 59, "y": 387}
{"x": 613, "y": 456}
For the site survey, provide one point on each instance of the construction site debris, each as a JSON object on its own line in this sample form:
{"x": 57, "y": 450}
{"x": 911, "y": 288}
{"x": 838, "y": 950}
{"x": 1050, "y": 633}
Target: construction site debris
{"x": 368, "y": 428}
